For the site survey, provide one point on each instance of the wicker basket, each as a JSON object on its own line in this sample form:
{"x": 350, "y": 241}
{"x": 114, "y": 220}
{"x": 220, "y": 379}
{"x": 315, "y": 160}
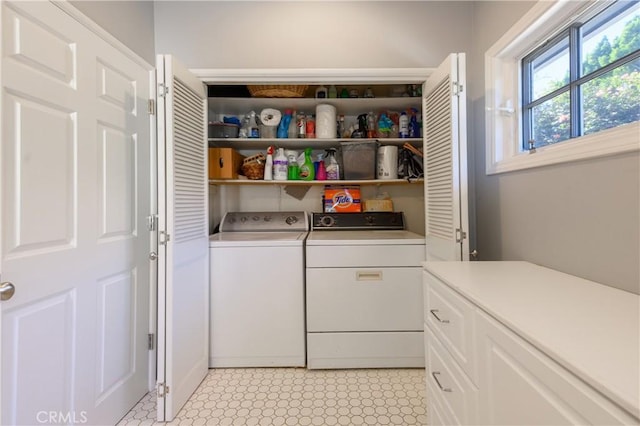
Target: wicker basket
{"x": 277, "y": 91}
{"x": 253, "y": 167}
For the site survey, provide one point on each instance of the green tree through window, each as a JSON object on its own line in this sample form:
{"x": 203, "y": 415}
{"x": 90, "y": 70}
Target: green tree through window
{"x": 607, "y": 100}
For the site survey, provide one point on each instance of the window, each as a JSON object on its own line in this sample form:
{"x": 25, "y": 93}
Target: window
{"x": 566, "y": 72}
{"x": 585, "y": 80}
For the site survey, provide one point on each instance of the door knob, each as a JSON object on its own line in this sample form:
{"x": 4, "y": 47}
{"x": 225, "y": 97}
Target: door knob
{"x": 474, "y": 255}
{"x": 7, "y": 290}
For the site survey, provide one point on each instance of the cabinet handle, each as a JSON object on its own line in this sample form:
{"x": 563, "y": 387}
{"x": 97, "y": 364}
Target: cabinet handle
{"x": 433, "y": 373}
{"x": 433, "y": 312}
{"x": 369, "y": 276}
{"x": 221, "y": 162}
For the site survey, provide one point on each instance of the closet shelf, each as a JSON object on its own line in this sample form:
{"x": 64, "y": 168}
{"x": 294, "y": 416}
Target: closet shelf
{"x": 315, "y": 182}
{"x": 263, "y": 143}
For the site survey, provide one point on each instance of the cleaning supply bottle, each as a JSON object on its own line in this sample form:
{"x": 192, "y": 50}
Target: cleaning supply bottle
{"x": 403, "y": 125}
{"x": 268, "y": 165}
{"x": 414, "y": 127}
{"x": 280, "y": 165}
{"x": 283, "y": 127}
{"x": 307, "y": 170}
{"x": 322, "y": 171}
{"x": 292, "y": 131}
{"x": 331, "y": 165}
{"x": 333, "y": 92}
{"x": 253, "y": 126}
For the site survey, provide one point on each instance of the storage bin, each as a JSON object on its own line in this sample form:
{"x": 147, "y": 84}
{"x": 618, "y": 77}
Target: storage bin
{"x": 223, "y": 130}
{"x": 359, "y": 160}
{"x": 224, "y": 163}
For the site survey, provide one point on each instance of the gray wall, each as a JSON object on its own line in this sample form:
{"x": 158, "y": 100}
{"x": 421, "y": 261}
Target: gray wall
{"x": 309, "y": 34}
{"x": 581, "y": 218}
{"x": 131, "y": 22}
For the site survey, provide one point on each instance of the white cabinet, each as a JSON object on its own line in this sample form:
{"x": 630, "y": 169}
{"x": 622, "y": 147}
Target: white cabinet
{"x": 522, "y": 386}
{"x": 502, "y": 346}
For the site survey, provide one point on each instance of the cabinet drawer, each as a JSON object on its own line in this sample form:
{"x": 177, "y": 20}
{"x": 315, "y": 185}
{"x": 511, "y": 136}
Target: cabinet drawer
{"x": 451, "y": 319}
{"x": 354, "y": 256}
{"x": 364, "y": 299}
{"x": 521, "y": 385}
{"x": 448, "y": 384}
{"x": 365, "y": 350}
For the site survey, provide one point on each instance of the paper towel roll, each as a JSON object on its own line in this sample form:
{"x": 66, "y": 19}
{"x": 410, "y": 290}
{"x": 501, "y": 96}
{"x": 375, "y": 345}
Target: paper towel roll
{"x": 388, "y": 162}
{"x": 270, "y": 117}
{"x": 325, "y": 121}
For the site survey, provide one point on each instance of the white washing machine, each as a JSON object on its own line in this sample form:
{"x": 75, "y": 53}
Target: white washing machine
{"x": 257, "y": 290}
{"x": 364, "y": 292}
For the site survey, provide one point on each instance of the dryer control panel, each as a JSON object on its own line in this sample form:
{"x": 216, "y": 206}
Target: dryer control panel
{"x": 357, "y": 221}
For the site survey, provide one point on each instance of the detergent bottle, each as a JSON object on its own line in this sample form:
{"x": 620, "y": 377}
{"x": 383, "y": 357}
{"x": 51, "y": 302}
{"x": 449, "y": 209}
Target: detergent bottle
{"x": 307, "y": 171}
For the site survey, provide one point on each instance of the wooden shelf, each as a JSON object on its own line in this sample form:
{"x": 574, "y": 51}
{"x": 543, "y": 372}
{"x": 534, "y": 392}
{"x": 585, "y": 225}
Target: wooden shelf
{"x": 263, "y": 143}
{"x": 345, "y": 106}
{"x": 315, "y": 182}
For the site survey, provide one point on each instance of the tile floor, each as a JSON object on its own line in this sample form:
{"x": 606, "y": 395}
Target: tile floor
{"x": 297, "y": 396}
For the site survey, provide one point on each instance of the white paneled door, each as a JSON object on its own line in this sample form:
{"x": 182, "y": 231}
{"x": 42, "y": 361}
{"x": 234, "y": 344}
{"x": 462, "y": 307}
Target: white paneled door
{"x": 183, "y": 262}
{"x": 445, "y": 149}
{"x": 75, "y": 193}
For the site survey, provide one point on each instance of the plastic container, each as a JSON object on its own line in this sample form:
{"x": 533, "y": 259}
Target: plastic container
{"x": 223, "y": 130}
{"x": 359, "y": 160}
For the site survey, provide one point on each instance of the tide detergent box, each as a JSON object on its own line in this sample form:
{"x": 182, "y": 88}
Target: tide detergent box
{"x": 342, "y": 199}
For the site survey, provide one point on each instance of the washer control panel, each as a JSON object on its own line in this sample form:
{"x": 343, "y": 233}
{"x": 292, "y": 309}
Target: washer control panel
{"x": 264, "y": 222}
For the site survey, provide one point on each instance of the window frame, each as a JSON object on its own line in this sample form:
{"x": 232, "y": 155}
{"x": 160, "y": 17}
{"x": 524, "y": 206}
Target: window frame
{"x": 504, "y": 74}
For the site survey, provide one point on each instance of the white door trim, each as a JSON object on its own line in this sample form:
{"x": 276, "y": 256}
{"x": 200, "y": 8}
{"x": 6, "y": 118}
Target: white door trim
{"x": 102, "y": 33}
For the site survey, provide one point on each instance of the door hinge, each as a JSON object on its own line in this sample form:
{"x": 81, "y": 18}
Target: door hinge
{"x": 152, "y": 107}
{"x": 457, "y": 88}
{"x": 163, "y": 238}
{"x": 460, "y": 235}
{"x": 151, "y": 341}
{"x": 162, "y": 390}
{"x": 152, "y": 222}
{"x": 162, "y": 90}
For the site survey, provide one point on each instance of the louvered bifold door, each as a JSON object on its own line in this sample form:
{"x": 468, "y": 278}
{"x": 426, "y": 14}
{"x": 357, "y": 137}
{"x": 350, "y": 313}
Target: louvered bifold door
{"x": 445, "y": 148}
{"x": 183, "y": 267}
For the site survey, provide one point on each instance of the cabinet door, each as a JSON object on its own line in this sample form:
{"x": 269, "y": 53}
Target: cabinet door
{"x": 452, "y": 319}
{"x": 520, "y": 385}
{"x": 447, "y": 385}
{"x": 445, "y": 149}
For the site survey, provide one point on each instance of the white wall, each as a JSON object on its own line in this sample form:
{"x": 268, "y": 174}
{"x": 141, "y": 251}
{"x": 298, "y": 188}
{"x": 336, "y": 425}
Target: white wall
{"x": 582, "y": 218}
{"x": 131, "y": 22}
{"x": 311, "y": 34}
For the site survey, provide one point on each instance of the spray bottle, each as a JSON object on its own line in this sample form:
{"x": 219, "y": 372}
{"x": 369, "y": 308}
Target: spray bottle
{"x": 268, "y": 166}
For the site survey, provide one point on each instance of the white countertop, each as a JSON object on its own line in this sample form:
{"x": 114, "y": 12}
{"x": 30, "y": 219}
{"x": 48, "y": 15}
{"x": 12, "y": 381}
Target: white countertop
{"x": 591, "y": 329}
